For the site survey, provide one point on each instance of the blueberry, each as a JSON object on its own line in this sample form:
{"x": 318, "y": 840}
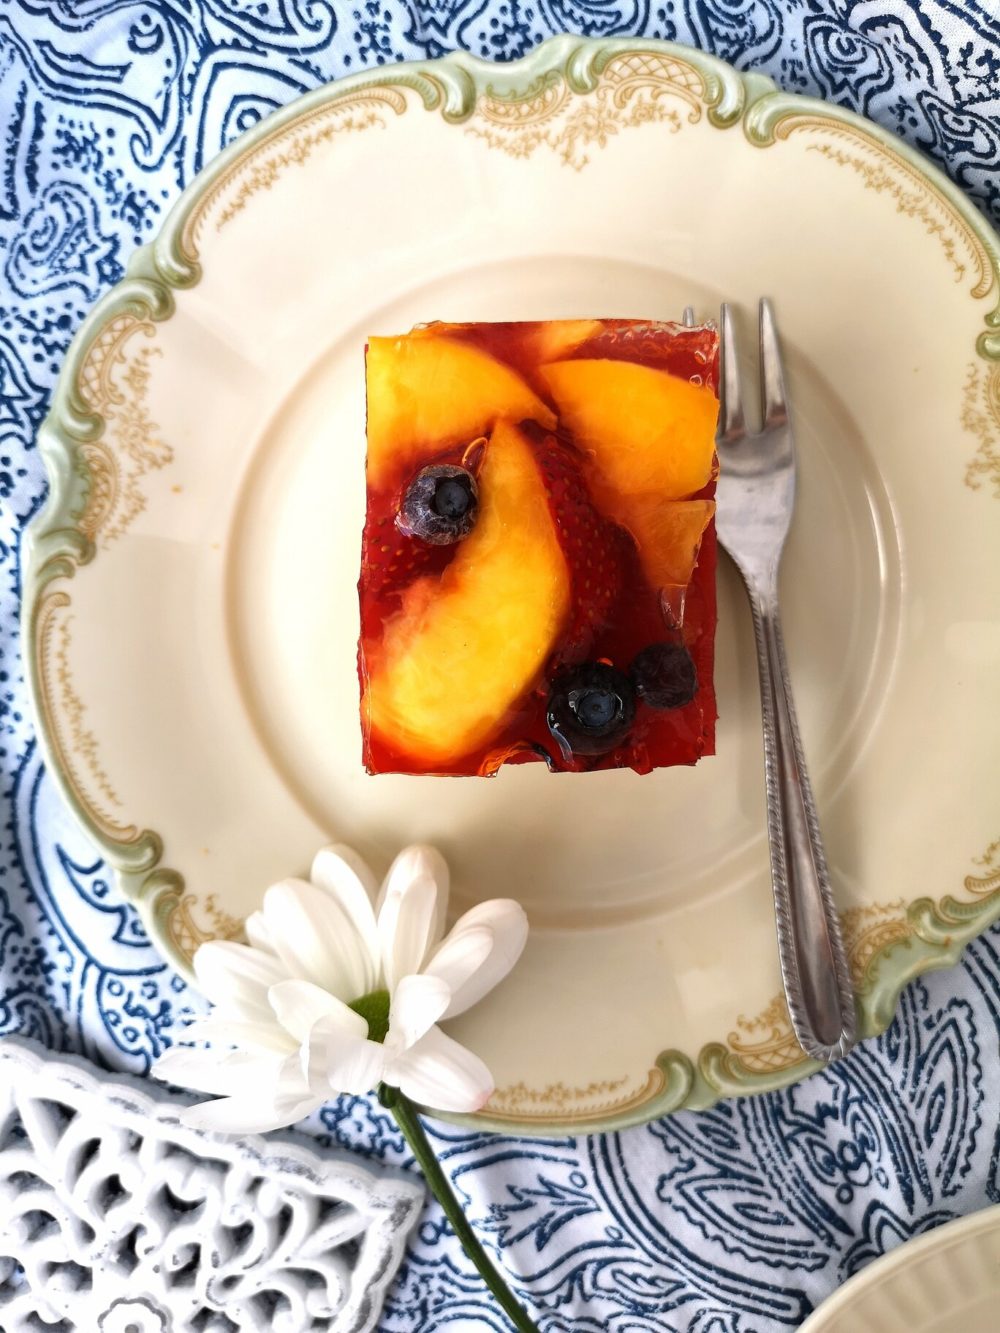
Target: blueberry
{"x": 591, "y": 708}
{"x": 440, "y": 505}
{"x": 451, "y": 499}
{"x": 664, "y": 675}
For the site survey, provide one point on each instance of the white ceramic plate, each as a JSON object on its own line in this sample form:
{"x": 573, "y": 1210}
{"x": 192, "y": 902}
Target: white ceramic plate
{"x": 945, "y": 1282}
{"x": 191, "y": 614}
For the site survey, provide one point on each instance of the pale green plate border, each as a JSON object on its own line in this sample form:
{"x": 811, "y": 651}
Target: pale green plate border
{"x": 54, "y": 546}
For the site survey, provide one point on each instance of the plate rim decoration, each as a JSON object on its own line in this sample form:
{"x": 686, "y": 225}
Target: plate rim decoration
{"x": 559, "y": 72}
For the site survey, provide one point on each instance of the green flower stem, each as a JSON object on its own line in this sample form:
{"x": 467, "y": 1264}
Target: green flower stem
{"x": 408, "y": 1121}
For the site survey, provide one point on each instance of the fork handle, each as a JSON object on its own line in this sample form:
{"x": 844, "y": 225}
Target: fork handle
{"x": 810, "y": 948}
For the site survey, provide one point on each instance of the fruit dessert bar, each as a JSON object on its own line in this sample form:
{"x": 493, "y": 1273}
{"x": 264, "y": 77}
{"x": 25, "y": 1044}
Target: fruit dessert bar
{"x": 538, "y": 557}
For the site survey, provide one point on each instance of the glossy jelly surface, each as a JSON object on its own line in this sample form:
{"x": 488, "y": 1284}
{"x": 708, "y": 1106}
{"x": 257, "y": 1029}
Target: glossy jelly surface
{"x": 538, "y": 558}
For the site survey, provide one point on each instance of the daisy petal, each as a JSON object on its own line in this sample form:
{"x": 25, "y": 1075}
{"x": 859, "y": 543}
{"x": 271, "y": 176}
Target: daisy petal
{"x": 460, "y": 955}
{"x": 420, "y": 862}
{"x": 505, "y": 919}
{"x": 262, "y": 1095}
{"x": 340, "y": 871}
{"x": 257, "y": 932}
{"x": 260, "y": 1038}
{"x": 237, "y": 978}
{"x": 298, "y": 1005}
{"x": 417, "y": 1004}
{"x": 336, "y": 1061}
{"x": 247, "y": 1114}
{"x": 291, "y": 1091}
{"x": 316, "y": 940}
{"x": 440, "y": 1074}
{"x": 226, "y": 1073}
{"x": 406, "y": 927}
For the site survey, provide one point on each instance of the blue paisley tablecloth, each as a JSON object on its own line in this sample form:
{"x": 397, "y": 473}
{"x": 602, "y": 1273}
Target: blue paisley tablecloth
{"x": 739, "y": 1220}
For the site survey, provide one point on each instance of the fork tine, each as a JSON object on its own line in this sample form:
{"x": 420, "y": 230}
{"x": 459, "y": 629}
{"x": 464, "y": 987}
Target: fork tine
{"x": 731, "y": 421}
{"x": 687, "y": 319}
{"x": 773, "y": 407}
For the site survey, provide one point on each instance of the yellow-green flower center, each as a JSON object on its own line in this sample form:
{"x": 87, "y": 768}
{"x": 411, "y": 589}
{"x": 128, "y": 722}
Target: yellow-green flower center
{"x": 374, "y": 1009}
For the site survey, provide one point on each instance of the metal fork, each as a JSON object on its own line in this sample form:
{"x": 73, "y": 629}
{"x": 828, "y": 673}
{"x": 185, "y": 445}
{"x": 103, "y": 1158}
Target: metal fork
{"x": 756, "y": 492}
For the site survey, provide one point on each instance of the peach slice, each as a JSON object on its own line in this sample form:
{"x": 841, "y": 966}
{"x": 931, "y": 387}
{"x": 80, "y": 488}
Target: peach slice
{"x": 556, "y": 338}
{"x": 647, "y": 431}
{"x": 668, "y": 535}
{"x": 461, "y": 652}
{"x": 543, "y": 340}
{"x": 427, "y": 393}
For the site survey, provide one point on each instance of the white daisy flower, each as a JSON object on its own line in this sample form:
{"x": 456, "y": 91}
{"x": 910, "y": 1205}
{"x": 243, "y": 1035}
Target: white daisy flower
{"x": 341, "y": 988}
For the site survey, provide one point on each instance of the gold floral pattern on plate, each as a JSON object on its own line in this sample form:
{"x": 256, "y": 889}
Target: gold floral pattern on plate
{"x": 558, "y": 1102}
{"x": 115, "y": 385}
{"x": 193, "y": 921}
{"x": 885, "y": 171}
{"x": 981, "y": 419}
{"x": 257, "y": 170}
{"x": 631, "y": 92}
{"x": 63, "y": 714}
{"x": 766, "y": 1043}
{"x": 112, "y": 382}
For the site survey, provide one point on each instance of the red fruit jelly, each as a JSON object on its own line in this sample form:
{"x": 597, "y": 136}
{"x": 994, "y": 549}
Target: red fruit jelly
{"x": 538, "y": 557}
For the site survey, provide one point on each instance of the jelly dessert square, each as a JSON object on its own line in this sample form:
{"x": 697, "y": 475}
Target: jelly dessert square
{"x": 538, "y": 557}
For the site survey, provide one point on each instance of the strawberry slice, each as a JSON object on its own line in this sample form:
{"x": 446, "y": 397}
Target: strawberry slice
{"x": 391, "y": 560}
{"x": 595, "y": 548}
